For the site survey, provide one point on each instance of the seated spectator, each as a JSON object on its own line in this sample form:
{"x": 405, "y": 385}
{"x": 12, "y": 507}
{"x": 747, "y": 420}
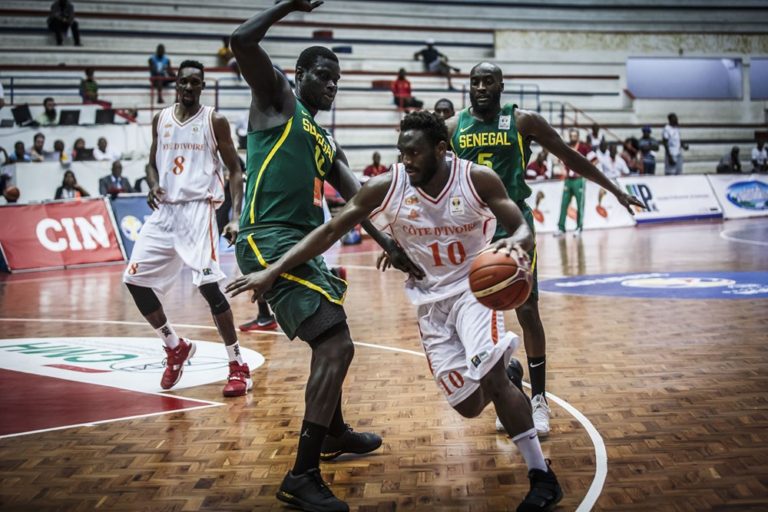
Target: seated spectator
{"x": 401, "y": 89}
{"x": 60, "y": 155}
{"x": 227, "y": 58}
{"x": 38, "y": 152}
{"x": 538, "y": 169}
{"x": 103, "y": 154}
{"x": 19, "y": 154}
{"x": 160, "y": 71}
{"x": 49, "y": 116}
{"x": 596, "y": 136}
{"x": 759, "y": 157}
{"x": 69, "y": 188}
{"x": 614, "y": 165}
{"x": 80, "y": 153}
{"x": 375, "y": 168}
{"x": 647, "y": 145}
{"x": 435, "y": 62}
{"x": 142, "y": 184}
{"x": 631, "y": 155}
{"x": 89, "y": 89}
{"x": 114, "y": 183}
{"x": 444, "y": 109}
{"x": 61, "y": 19}
{"x": 730, "y": 163}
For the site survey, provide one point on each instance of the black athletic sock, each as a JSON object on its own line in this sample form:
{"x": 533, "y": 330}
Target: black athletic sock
{"x": 337, "y": 426}
{"x": 310, "y": 442}
{"x": 263, "y": 309}
{"x": 537, "y": 370}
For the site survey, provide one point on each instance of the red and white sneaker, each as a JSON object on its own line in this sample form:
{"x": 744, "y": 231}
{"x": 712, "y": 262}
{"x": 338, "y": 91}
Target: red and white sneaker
{"x": 174, "y": 362}
{"x": 239, "y": 380}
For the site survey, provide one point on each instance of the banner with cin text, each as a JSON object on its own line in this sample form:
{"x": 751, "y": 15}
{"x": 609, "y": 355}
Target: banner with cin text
{"x": 42, "y": 236}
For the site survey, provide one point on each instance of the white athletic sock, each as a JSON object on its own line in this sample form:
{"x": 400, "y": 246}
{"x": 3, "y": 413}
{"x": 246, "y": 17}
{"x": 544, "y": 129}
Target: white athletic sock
{"x": 168, "y": 335}
{"x": 530, "y": 449}
{"x": 233, "y": 351}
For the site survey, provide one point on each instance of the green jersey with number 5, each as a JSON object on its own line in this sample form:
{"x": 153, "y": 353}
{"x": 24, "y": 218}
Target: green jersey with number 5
{"x": 286, "y": 170}
{"x": 497, "y": 145}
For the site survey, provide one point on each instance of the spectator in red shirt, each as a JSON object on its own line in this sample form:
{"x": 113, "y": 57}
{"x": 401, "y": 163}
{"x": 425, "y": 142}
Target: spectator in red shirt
{"x": 401, "y": 88}
{"x": 375, "y": 168}
{"x": 574, "y": 185}
{"x": 538, "y": 169}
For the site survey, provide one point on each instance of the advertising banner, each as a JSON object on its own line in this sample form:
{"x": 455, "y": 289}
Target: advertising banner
{"x": 671, "y": 198}
{"x": 131, "y": 211}
{"x": 741, "y": 195}
{"x": 545, "y": 203}
{"x": 54, "y": 235}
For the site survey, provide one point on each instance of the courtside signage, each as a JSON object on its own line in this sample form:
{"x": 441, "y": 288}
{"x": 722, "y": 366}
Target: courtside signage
{"x": 58, "y": 235}
{"x": 741, "y": 196}
{"x": 131, "y": 212}
{"x": 670, "y": 198}
{"x": 665, "y": 285}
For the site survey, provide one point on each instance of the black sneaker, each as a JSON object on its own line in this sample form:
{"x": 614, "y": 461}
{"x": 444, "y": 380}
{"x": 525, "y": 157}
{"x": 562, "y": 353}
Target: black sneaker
{"x": 309, "y": 492}
{"x": 515, "y": 373}
{"x": 545, "y": 492}
{"x": 349, "y": 442}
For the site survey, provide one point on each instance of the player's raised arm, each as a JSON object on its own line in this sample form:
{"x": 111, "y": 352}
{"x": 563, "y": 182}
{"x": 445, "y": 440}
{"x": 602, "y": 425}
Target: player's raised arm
{"x": 319, "y": 240}
{"x": 491, "y": 190}
{"x": 530, "y": 124}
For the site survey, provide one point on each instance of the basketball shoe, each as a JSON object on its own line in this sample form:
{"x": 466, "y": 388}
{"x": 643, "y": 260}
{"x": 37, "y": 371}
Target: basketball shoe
{"x": 515, "y": 374}
{"x": 239, "y": 381}
{"x": 261, "y": 323}
{"x": 540, "y": 414}
{"x": 309, "y": 492}
{"x": 545, "y": 491}
{"x": 174, "y": 362}
{"x": 349, "y": 442}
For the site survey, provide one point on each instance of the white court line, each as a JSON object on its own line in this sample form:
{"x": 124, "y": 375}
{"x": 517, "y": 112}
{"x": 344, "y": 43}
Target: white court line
{"x": 725, "y": 235}
{"x": 601, "y": 456}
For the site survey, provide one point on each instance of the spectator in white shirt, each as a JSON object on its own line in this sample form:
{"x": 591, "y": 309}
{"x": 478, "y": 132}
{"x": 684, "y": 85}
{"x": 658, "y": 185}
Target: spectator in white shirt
{"x": 613, "y": 166}
{"x": 102, "y": 153}
{"x": 596, "y": 136}
{"x": 760, "y": 157}
{"x": 673, "y": 145}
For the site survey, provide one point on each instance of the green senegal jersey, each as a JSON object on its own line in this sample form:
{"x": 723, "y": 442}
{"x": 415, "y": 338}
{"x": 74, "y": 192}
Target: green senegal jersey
{"x": 285, "y": 174}
{"x": 497, "y": 145}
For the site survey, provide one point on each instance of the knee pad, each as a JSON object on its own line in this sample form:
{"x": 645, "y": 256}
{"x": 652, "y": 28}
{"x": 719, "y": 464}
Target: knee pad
{"x": 145, "y": 299}
{"x": 217, "y": 301}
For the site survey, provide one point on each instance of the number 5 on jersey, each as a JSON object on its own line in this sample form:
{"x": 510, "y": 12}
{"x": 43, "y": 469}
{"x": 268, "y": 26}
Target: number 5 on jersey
{"x": 178, "y": 165}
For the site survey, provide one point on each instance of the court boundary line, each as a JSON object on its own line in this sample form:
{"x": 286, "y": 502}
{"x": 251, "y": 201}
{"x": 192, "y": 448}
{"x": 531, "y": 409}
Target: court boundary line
{"x": 601, "y": 456}
{"x": 726, "y": 236}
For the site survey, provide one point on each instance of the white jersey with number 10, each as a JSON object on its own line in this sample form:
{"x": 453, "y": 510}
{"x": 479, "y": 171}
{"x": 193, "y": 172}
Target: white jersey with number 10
{"x": 441, "y": 234}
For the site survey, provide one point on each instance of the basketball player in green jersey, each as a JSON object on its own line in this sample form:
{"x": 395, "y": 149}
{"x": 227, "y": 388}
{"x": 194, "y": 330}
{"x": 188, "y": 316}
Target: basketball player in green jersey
{"x": 289, "y": 158}
{"x": 499, "y": 137}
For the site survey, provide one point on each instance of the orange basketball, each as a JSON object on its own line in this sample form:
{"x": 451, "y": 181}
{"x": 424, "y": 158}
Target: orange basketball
{"x": 499, "y": 281}
{"x": 11, "y": 194}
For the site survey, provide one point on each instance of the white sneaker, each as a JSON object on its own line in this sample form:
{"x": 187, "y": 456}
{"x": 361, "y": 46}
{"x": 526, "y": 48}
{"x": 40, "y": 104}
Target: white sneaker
{"x": 540, "y": 415}
{"x": 558, "y": 234}
{"x": 577, "y": 233}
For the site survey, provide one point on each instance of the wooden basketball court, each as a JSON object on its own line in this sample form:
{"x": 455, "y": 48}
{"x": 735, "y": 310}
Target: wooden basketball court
{"x": 659, "y": 404}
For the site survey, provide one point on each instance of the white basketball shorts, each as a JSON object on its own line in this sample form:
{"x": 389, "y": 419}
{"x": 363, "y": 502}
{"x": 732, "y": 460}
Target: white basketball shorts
{"x": 463, "y": 340}
{"x": 176, "y": 235}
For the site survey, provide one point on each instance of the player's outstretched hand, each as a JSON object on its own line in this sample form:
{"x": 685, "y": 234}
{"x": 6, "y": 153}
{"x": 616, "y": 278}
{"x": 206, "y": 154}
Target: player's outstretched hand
{"x": 231, "y": 230}
{"x": 628, "y": 201}
{"x": 260, "y": 282}
{"x": 513, "y": 250}
{"x": 305, "y": 5}
{"x": 154, "y": 197}
{"x": 397, "y": 258}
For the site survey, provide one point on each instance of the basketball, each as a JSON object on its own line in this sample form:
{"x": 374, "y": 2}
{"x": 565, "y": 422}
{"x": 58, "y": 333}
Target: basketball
{"x": 499, "y": 281}
{"x": 11, "y": 194}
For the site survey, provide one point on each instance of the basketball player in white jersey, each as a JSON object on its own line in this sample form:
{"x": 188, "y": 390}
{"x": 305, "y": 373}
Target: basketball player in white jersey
{"x": 186, "y": 189}
{"x": 441, "y": 210}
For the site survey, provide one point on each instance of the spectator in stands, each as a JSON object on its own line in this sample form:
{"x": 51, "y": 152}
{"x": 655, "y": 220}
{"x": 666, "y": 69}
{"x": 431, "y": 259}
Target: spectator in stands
{"x": 673, "y": 146}
{"x": 435, "y": 62}
{"x": 596, "y": 136}
{"x": 730, "y": 163}
{"x": 102, "y": 153}
{"x": 538, "y": 169}
{"x": 444, "y": 108}
{"x": 142, "y": 184}
{"x": 760, "y": 157}
{"x": 631, "y": 155}
{"x": 60, "y": 155}
{"x": 19, "y": 154}
{"x": 613, "y": 166}
{"x": 61, "y": 19}
{"x": 80, "y": 153}
{"x": 69, "y": 188}
{"x": 160, "y": 71}
{"x": 114, "y": 183}
{"x": 601, "y": 151}
{"x": 89, "y": 89}
{"x": 8, "y": 191}
{"x": 227, "y": 58}
{"x": 375, "y": 168}
{"x": 2, "y": 97}
{"x": 647, "y": 146}
{"x": 49, "y": 116}
{"x": 3, "y": 156}
{"x": 38, "y": 152}
{"x": 401, "y": 89}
